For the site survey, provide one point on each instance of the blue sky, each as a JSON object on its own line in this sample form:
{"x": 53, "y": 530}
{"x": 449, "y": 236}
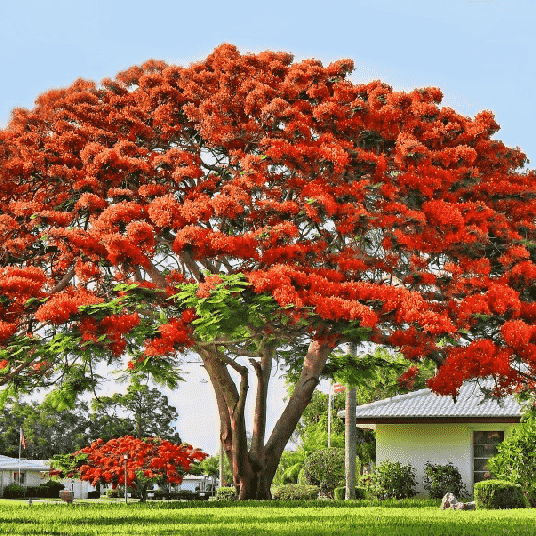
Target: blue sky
{"x": 482, "y": 54}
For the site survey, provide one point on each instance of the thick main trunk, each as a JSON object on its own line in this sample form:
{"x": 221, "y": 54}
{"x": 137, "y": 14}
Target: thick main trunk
{"x": 253, "y": 471}
{"x": 532, "y": 502}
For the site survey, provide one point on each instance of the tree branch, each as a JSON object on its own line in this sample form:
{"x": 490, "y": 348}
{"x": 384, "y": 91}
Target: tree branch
{"x": 63, "y": 283}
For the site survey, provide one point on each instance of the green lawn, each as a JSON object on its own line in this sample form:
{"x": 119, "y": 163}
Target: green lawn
{"x": 255, "y": 518}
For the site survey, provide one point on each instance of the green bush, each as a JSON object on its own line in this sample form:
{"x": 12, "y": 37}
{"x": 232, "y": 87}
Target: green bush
{"x": 494, "y": 494}
{"x": 225, "y": 494}
{"x": 442, "y": 479}
{"x": 325, "y": 468}
{"x": 294, "y": 492}
{"x": 50, "y": 490}
{"x": 391, "y": 481}
{"x": 340, "y": 493}
{"x": 515, "y": 461}
{"x": 14, "y": 491}
{"x": 184, "y": 494}
{"x": 112, "y": 493}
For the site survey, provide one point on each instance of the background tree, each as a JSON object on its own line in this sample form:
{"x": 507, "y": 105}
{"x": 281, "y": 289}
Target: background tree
{"x": 515, "y": 460}
{"x": 293, "y": 207}
{"x": 141, "y": 412}
{"x": 211, "y": 467}
{"x": 47, "y": 431}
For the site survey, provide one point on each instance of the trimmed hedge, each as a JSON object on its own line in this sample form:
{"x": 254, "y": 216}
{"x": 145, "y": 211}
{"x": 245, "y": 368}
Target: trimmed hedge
{"x": 225, "y": 493}
{"x": 340, "y": 493}
{"x": 295, "y": 492}
{"x": 14, "y": 491}
{"x": 497, "y": 494}
{"x": 50, "y": 490}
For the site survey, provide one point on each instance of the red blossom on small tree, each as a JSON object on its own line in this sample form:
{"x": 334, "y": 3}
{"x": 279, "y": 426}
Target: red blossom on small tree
{"x": 149, "y": 460}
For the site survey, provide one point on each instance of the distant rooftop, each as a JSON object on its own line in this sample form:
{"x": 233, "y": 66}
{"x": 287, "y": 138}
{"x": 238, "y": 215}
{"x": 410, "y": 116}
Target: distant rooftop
{"x": 13, "y": 463}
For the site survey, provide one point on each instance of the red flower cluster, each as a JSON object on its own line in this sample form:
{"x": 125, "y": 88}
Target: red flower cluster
{"x": 352, "y": 201}
{"x": 155, "y": 458}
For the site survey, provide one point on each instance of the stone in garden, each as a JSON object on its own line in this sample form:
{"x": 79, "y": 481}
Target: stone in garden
{"x": 450, "y": 502}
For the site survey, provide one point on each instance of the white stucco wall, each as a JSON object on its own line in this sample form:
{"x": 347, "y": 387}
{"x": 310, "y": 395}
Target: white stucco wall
{"x": 32, "y": 477}
{"x": 437, "y": 443}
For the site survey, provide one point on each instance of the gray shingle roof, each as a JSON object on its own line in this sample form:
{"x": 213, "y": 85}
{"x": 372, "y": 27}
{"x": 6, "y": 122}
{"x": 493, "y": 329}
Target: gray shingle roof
{"x": 423, "y": 404}
{"x": 13, "y": 463}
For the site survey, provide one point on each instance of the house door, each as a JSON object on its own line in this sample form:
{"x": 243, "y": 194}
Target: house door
{"x": 484, "y": 447}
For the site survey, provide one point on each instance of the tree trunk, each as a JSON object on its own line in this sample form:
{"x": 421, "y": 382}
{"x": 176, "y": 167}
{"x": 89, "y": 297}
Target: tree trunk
{"x": 530, "y": 499}
{"x": 254, "y": 471}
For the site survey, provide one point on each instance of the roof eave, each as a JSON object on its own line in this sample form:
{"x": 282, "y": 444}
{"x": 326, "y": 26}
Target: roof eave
{"x": 432, "y": 420}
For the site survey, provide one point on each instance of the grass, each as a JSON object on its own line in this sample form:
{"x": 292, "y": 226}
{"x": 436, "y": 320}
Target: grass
{"x": 309, "y": 518}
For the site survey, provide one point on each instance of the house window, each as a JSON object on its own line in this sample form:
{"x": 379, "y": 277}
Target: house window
{"x": 22, "y": 479}
{"x": 484, "y": 447}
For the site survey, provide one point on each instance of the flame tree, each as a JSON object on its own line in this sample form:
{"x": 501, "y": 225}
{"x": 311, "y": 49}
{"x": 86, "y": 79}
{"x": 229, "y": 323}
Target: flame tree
{"x": 297, "y": 209}
{"x": 149, "y": 460}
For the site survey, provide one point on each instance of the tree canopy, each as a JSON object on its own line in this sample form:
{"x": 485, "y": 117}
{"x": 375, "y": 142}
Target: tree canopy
{"x": 140, "y": 412}
{"x": 47, "y": 431}
{"x": 148, "y": 460}
{"x": 296, "y": 208}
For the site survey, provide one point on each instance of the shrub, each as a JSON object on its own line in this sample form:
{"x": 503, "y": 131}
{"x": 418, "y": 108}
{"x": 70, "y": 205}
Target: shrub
{"x": 294, "y": 492}
{"x": 441, "y": 479}
{"x": 325, "y": 468}
{"x": 515, "y": 461}
{"x": 340, "y": 493}
{"x": 14, "y": 491}
{"x": 185, "y": 494}
{"x": 158, "y": 494}
{"x": 51, "y": 489}
{"x": 112, "y": 493}
{"x": 391, "y": 481}
{"x": 225, "y": 493}
{"x": 495, "y": 494}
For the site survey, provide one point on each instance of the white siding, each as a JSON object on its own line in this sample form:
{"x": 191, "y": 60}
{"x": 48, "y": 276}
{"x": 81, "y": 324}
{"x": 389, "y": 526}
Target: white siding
{"x": 437, "y": 443}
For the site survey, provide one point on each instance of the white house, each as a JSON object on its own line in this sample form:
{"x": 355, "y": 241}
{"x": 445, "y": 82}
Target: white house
{"x": 421, "y": 426}
{"x": 30, "y": 476}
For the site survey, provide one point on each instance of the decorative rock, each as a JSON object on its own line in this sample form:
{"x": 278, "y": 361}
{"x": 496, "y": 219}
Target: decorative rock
{"x": 450, "y": 502}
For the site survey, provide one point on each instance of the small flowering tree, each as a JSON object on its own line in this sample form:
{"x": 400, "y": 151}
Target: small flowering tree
{"x": 149, "y": 460}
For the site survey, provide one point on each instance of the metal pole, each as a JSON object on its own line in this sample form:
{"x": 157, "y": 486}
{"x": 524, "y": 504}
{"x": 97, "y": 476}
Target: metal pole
{"x": 330, "y": 398}
{"x": 20, "y": 443}
{"x": 350, "y": 435}
{"x": 125, "y": 456}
